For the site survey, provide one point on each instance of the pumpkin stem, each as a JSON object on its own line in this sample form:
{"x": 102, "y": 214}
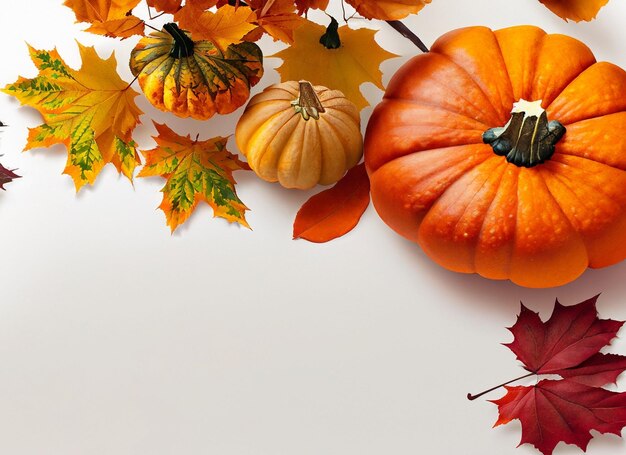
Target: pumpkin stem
{"x": 308, "y": 104}
{"x": 330, "y": 39}
{"x": 183, "y": 45}
{"x": 528, "y": 139}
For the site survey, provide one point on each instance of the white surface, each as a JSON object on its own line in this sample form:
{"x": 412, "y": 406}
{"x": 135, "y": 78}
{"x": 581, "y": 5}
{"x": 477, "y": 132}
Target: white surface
{"x": 117, "y": 338}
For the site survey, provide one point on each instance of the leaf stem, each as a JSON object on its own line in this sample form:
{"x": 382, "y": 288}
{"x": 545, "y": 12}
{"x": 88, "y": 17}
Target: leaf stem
{"x": 408, "y": 34}
{"x": 131, "y": 82}
{"x": 473, "y": 397}
{"x": 150, "y": 26}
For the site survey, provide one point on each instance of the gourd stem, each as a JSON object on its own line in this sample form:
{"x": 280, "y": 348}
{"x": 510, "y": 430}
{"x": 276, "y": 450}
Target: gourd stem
{"x": 473, "y": 397}
{"x": 528, "y": 139}
{"x": 330, "y": 39}
{"x": 308, "y": 104}
{"x": 408, "y": 34}
{"x": 183, "y": 45}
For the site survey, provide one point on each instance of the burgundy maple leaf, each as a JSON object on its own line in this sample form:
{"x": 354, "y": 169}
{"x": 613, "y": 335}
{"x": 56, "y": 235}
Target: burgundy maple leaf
{"x": 565, "y": 410}
{"x": 6, "y": 175}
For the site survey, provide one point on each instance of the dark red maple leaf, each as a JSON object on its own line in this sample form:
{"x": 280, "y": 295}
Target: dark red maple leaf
{"x": 6, "y": 176}
{"x": 555, "y": 411}
{"x": 571, "y": 336}
{"x": 567, "y": 345}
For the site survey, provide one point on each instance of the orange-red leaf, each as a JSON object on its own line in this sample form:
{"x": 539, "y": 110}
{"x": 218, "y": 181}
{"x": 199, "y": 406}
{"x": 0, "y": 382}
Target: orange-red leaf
{"x": 576, "y": 10}
{"x": 336, "y": 211}
{"x": 389, "y": 9}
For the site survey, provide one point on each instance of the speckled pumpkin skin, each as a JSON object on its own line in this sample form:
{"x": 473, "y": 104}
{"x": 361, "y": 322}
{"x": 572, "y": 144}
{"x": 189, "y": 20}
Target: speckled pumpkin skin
{"x": 435, "y": 182}
{"x": 207, "y": 82}
{"x": 281, "y": 146}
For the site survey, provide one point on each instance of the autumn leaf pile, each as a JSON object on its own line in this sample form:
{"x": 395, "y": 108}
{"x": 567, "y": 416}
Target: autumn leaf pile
{"x": 92, "y": 111}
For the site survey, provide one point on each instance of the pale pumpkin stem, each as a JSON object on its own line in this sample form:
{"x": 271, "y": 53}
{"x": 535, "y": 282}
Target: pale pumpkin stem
{"x": 528, "y": 139}
{"x": 183, "y": 45}
{"x": 308, "y": 104}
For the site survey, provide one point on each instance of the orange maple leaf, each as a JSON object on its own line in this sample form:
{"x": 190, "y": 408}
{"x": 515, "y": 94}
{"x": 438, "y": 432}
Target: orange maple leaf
{"x": 278, "y": 18}
{"x": 195, "y": 171}
{"x": 305, "y": 5}
{"x": 576, "y": 10}
{"x": 228, "y": 25}
{"x": 165, "y": 6}
{"x": 92, "y": 111}
{"x": 387, "y": 10}
{"x": 108, "y": 17}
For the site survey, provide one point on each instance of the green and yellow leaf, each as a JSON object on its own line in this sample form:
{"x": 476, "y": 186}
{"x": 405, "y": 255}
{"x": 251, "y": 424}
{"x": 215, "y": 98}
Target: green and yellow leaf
{"x": 195, "y": 171}
{"x": 92, "y": 111}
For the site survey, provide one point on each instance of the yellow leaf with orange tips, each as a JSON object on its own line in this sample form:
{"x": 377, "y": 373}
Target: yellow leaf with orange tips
{"x": 92, "y": 111}
{"x": 355, "y": 62}
{"x": 108, "y": 17}
{"x": 195, "y": 171}
{"x": 387, "y": 9}
{"x": 576, "y": 10}
{"x": 228, "y": 25}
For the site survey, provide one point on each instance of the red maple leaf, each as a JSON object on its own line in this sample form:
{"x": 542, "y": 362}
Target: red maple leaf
{"x": 555, "y": 411}
{"x": 6, "y": 176}
{"x": 565, "y": 410}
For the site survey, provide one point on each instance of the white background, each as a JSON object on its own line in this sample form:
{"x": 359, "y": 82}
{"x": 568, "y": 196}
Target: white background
{"x": 118, "y": 338}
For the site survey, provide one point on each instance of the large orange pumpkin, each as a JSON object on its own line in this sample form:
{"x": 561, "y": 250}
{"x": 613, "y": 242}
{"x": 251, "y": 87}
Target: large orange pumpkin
{"x": 504, "y": 154}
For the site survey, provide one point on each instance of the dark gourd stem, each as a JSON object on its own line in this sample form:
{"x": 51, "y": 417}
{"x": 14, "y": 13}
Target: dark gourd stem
{"x": 408, "y": 34}
{"x": 330, "y": 39}
{"x": 308, "y": 104}
{"x": 473, "y": 397}
{"x": 183, "y": 45}
{"x": 528, "y": 139}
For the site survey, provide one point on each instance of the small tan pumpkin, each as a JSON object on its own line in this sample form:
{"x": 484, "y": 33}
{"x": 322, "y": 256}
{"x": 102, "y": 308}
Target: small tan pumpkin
{"x": 300, "y": 135}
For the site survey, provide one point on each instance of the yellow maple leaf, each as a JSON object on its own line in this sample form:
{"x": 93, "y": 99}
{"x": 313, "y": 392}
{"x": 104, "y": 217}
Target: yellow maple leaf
{"x": 108, "y": 17}
{"x": 356, "y": 61}
{"x": 92, "y": 111}
{"x": 228, "y": 25}
{"x": 387, "y": 10}
{"x": 576, "y": 10}
{"x": 195, "y": 171}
